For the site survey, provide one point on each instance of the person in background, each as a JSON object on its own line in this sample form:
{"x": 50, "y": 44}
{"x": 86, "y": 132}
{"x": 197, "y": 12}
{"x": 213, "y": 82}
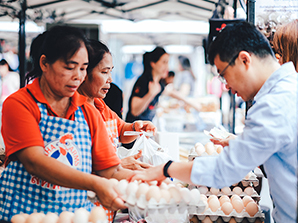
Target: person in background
{"x": 114, "y": 99}
{"x": 169, "y": 79}
{"x": 53, "y": 137}
{"x": 95, "y": 87}
{"x": 246, "y": 63}
{"x": 184, "y": 81}
{"x": 285, "y": 43}
{"x": 10, "y": 80}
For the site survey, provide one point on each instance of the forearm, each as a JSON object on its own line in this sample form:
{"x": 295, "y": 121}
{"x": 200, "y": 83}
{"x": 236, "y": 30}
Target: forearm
{"x": 181, "y": 171}
{"x": 116, "y": 172}
{"x": 139, "y": 105}
{"x": 127, "y": 139}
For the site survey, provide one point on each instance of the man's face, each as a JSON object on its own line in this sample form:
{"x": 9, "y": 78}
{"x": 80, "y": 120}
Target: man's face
{"x": 237, "y": 77}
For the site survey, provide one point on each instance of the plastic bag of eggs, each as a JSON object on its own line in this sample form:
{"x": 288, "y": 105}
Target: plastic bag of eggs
{"x": 209, "y": 149}
{"x": 81, "y": 215}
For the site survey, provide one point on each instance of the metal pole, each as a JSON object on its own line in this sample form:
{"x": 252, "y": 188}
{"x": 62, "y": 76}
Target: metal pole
{"x": 22, "y": 43}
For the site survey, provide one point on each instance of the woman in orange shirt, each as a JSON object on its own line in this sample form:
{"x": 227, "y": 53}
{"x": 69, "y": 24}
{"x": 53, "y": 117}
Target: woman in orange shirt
{"x": 54, "y": 139}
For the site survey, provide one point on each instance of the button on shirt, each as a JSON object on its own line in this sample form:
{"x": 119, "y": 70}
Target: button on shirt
{"x": 269, "y": 138}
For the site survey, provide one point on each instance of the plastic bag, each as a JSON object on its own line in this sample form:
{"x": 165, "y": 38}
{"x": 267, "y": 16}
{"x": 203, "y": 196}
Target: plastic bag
{"x": 152, "y": 153}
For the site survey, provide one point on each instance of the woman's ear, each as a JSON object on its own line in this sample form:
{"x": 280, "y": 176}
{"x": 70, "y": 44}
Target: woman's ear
{"x": 43, "y": 62}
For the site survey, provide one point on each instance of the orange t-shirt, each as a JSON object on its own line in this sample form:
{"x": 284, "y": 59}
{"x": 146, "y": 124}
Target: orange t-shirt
{"x": 21, "y": 116}
{"x": 113, "y": 123}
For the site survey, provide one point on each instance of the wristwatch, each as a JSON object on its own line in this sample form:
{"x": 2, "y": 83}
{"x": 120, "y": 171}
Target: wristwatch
{"x": 166, "y": 167}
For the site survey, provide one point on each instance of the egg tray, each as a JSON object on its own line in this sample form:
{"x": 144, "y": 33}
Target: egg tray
{"x": 226, "y": 218}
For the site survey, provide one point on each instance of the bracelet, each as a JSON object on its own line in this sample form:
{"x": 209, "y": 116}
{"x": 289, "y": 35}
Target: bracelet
{"x": 133, "y": 126}
{"x": 166, "y": 167}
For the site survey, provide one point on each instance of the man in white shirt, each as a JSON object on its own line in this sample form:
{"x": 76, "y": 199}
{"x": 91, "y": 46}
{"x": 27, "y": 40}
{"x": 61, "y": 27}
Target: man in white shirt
{"x": 247, "y": 65}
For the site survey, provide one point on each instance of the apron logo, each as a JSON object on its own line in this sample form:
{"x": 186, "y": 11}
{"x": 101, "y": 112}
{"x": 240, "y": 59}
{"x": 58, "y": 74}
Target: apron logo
{"x": 64, "y": 150}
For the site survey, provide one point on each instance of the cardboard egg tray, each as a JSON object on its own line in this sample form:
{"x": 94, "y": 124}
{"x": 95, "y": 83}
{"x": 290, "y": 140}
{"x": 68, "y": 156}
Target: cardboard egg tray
{"x": 239, "y": 217}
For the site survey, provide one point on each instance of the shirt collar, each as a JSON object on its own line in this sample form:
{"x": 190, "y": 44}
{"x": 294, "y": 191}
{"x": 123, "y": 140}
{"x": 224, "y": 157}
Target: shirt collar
{"x": 284, "y": 70}
{"x": 99, "y": 104}
{"x": 76, "y": 100}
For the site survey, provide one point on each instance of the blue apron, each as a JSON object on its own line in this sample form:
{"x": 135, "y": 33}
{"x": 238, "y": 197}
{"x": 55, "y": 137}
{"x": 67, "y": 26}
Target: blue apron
{"x": 65, "y": 140}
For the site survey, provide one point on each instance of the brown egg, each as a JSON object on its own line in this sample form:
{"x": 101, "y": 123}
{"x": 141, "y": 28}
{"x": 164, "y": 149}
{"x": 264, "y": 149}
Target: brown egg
{"x": 235, "y": 196}
{"x": 97, "y": 214}
{"x": 249, "y": 191}
{"x": 252, "y": 208}
{"x": 227, "y": 208}
{"x": 238, "y": 205}
{"x": 214, "y": 204}
{"x": 207, "y": 220}
{"x": 153, "y": 192}
{"x": 209, "y": 147}
{"x": 212, "y": 197}
{"x": 218, "y": 148}
{"x": 232, "y": 220}
{"x": 19, "y": 218}
{"x": 50, "y": 218}
{"x": 246, "y": 199}
{"x": 35, "y": 218}
{"x": 65, "y": 217}
{"x": 237, "y": 190}
{"x": 226, "y": 190}
{"x": 214, "y": 190}
{"x": 223, "y": 199}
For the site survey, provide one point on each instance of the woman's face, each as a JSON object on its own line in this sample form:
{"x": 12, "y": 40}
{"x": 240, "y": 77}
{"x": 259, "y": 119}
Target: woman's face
{"x": 98, "y": 82}
{"x": 161, "y": 67}
{"x": 62, "y": 78}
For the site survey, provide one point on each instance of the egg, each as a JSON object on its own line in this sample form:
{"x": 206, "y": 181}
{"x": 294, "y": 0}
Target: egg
{"x": 223, "y": 199}
{"x": 50, "y": 218}
{"x": 196, "y": 196}
{"x": 227, "y": 208}
{"x": 65, "y": 217}
{"x": 35, "y": 218}
{"x": 175, "y": 194}
{"x": 186, "y": 195}
{"x": 214, "y": 204}
{"x": 252, "y": 208}
{"x": 121, "y": 187}
{"x": 212, "y": 197}
{"x": 232, "y": 220}
{"x": 249, "y": 191}
{"x": 238, "y": 205}
{"x": 132, "y": 187}
{"x": 214, "y": 190}
{"x": 97, "y": 214}
{"x": 19, "y": 218}
{"x": 218, "y": 148}
{"x": 246, "y": 199}
{"x": 235, "y": 196}
{"x": 237, "y": 190}
{"x": 81, "y": 215}
{"x": 142, "y": 189}
{"x": 226, "y": 190}
{"x": 203, "y": 189}
{"x": 154, "y": 182}
{"x": 199, "y": 148}
{"x": 153, "y": 192}
{"x": 163, "y": 185}
{"x": 207, "y": 220}
{"x": 166, "y": 195}
{"x": 209, "y": 147}
{"x": 203, "y": 197}
{"x": 114, "y": 181}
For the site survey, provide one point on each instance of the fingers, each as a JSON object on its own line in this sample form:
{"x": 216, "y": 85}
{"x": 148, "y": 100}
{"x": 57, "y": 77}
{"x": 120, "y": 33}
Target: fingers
{"x": 138, "y": 155}
{"x": 117, "y": 203}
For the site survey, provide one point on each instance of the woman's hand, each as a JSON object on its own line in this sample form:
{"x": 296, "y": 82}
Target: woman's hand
{"x": 223, "y": 142}
{"x": 145, "y": 126}
{"x": 154, "y": 88}
{"x": 107, "y": 195}
{"x": 132, "y": 163}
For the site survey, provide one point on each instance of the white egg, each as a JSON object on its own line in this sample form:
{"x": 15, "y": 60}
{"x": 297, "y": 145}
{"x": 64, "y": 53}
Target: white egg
{"x": 163, "y": 185}
{"x": 199, "y": 148}
{"x": 114, "y": 181}
{"x": 121, "y": 187}
{"x": 186, "y": 195}
{"x": 209, "y": 147}
{"x": 132, "y": 187}
{"x": 195, "y": 196}
{"x": 153, "y": 193}
{"x": 142, "y": 189}
{"x": 175, "y": 194}
{"x": 203, "y": 189}
{"x": 81, "y": 215}
{"x": 65, "y": 217}
{"x": 50, "y": 218}
{"x": 237, "y": 190}
{"x": 165, "y": 194}
{"x": 218, "y": 148}
{"x": 97, "y": 214}
{"x": 19, "y": 218}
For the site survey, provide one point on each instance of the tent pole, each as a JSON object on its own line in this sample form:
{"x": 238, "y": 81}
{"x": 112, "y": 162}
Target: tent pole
{"x": 22, "y": 43}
